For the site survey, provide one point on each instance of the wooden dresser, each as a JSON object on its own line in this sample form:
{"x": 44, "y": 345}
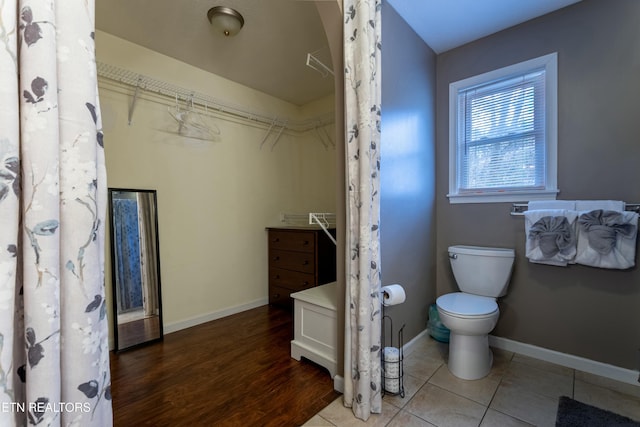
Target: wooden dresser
{"x": 299, "y": 258}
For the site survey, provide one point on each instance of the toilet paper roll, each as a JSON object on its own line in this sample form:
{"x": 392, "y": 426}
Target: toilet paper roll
{"x": 391, "y": 354}
{"x": 391, "y": 369}
{"x": 393, "y": 295}
{"x": 392, "y": 385}
{"x": 391, "y": 362}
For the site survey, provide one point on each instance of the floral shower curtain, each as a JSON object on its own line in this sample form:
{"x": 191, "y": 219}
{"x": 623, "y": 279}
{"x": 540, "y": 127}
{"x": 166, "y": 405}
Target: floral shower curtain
{"x": 362, "y": 61}
{"x": 54, "y": 355}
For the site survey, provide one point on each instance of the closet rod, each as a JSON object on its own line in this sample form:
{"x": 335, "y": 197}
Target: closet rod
{"x": 151, "y": 84}
{"x": 518, "y": 209}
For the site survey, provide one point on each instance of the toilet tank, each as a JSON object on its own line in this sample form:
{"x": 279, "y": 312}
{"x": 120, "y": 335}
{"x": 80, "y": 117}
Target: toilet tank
{"x": 480, "y": 270}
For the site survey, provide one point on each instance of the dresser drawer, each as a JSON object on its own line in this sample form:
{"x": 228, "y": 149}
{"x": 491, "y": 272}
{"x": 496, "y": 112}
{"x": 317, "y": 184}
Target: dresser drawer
{"x": 280, "y": 296}
{"x": 296, "y": 261}
{"x": 294, "y": 280}
{"x": 299, "y": 241}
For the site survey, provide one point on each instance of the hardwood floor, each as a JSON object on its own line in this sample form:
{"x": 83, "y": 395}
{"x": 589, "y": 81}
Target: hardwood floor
{"x": 235, "y": 371}
{"x": 137, "y": 331}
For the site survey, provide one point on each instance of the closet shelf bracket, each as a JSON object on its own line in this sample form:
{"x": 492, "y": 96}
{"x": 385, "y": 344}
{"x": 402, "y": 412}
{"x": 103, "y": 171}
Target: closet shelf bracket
{"x": 274, "y": 123}
{"x": 132, "y": 106}
{"x": 284, "y": 125}
{"x": 266, "y": 135}
{"x": 321, "y": 220}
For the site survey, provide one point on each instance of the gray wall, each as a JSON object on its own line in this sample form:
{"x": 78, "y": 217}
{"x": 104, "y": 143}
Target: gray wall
{"x": 588, "y": 312}
{"x": 407, "y": 189}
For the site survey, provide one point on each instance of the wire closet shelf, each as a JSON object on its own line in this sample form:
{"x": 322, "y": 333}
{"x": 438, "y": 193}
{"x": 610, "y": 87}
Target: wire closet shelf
{"x": 150, "y": 84}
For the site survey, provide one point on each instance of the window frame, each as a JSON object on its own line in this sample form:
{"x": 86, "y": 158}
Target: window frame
{"x": 550, "y": 64}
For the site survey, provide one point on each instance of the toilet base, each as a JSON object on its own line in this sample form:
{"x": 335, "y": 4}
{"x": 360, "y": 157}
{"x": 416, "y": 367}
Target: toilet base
{"x": 470, "y": 357}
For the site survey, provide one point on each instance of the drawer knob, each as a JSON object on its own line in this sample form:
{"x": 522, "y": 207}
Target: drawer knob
{"x": 305, "y": 242}
{"x": 276, "y": 240}
{"x": 305, "y": 283}
{"x": 305, "y": 262}
{"x": 276, "y": 258}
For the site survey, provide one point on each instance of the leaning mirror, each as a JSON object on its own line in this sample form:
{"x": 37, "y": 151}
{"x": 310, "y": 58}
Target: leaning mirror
{"x": 135, "y": 267}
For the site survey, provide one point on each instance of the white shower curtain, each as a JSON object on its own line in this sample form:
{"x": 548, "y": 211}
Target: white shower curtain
{"x": 54, "y": 355}
{"x": 362, "y": 62}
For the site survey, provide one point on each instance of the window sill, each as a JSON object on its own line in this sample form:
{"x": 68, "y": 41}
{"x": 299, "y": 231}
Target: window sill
{"x": 498, "y": 197}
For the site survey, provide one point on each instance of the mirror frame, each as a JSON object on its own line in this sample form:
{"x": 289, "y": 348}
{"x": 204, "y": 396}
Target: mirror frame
{"x": 114, "y": 287}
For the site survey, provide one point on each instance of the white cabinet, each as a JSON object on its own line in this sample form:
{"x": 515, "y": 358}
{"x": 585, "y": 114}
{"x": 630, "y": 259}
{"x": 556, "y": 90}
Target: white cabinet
{"x": 315, "y": 326}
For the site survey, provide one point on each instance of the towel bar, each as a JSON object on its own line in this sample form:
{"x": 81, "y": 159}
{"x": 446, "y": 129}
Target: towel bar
{"x": 518, "y": 209}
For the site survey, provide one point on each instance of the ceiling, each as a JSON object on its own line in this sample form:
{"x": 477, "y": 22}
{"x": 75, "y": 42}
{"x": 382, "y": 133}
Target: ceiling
{"x": 270, "y": 52}
{"x": 444, "y": 25}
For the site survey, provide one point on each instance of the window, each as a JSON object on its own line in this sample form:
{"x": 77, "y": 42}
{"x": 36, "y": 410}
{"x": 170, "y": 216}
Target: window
{"x": 503, "y": 133}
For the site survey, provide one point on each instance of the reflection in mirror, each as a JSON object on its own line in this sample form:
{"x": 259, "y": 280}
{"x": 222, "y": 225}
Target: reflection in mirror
{"x": 135, "y": 267}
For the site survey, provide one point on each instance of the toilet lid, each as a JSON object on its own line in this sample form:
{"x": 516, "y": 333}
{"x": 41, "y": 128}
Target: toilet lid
{"x": 467, "y": 304}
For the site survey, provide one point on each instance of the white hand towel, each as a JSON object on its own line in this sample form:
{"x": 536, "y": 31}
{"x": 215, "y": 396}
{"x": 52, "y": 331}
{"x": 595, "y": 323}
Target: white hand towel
{"x": 551, "y": 204}
{"x": 622, "y": 254}
{"x": 550, "y": 240}
{"x": 607, "y": 205}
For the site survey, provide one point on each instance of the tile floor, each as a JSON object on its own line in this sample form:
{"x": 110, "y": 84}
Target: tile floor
{"x": 519, "y": 391}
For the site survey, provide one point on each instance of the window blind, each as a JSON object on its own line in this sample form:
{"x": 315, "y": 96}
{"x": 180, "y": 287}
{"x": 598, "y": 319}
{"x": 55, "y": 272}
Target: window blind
{"x": 501, "y": 135}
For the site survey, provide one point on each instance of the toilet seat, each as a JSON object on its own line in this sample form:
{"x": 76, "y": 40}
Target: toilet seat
{"x": 463, "y": 305}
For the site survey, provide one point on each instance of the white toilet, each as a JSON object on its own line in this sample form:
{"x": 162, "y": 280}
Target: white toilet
{"x": 482, "y": 274}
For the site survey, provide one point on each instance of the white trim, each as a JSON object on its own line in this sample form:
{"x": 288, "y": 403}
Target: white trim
{"x": 338, "y": 383}
{"x": 408, "y": 348}
{"x": 570, "y": 361}
{"x": 550, "y": 64}
{"x": 214, "y": 315}
{"x": 511, "y": 196}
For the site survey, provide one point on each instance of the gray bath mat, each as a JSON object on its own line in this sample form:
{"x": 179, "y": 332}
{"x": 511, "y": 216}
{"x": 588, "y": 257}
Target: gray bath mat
{"x": 572, "y": 413}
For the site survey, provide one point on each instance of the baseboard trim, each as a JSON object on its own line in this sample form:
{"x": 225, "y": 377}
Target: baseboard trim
{"x": 194, "y": 321}
{"x": 408, "y": 348}
{"x": 570, "y": 361}
{"x": 338, "y": 383}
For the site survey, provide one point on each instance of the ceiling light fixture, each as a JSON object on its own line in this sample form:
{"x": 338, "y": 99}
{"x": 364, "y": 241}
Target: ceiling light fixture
{"x": 225, "y": 20}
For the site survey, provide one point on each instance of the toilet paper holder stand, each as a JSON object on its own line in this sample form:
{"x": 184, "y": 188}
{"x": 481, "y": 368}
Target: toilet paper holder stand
{"x": 392, "y": 369}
